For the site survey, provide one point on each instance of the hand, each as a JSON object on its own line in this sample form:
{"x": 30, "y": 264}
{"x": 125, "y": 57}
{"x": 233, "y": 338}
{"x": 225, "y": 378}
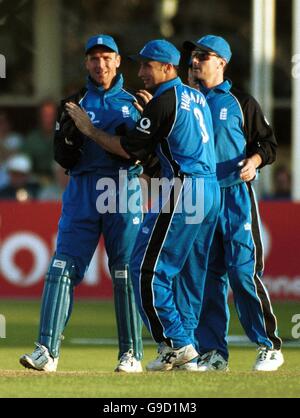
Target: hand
{"x": 80, "y": 118}
{"x": 145, "y": 96}
{"x": 248, "y": 172}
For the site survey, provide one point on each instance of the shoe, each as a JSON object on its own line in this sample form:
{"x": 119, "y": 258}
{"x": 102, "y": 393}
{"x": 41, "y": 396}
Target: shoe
{"x": 129, "y": 364}
{"x": 40, "y": 360}
{"x": 268, "y": 360}
{"x": 168, "y": 357}
{"x": 187, "y": 367}
{"x": 212, "y": 362}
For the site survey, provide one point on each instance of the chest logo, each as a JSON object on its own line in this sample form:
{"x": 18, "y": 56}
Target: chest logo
{"x": 247, "y": 227}
{"x": 125, "y": 112}
{"x": 223, "y": 113}
{"x": 92, "y": 116}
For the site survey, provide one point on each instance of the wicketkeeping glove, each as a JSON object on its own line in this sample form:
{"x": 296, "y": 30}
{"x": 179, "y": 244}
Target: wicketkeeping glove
{"x": 69, "y": 133}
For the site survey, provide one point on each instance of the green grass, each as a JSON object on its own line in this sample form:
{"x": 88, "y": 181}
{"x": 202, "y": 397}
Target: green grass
{"x": 86, "y": 371}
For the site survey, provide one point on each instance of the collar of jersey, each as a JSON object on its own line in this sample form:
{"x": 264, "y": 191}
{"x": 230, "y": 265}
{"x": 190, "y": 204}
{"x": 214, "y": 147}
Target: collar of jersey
{"x": 118, "y": 85}
{"x": 166, "y": 86}
{"x": 220, "y": 88}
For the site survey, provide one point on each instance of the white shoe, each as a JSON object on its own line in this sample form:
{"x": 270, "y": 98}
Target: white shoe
{"x": 129, "y": 364}
{"x": 187, "y": 367}
{"x": 268, "y": 360}
{"x": 212, "y": 362}
{"x": 169, "y": 357}
{"x": 40, "y": 360}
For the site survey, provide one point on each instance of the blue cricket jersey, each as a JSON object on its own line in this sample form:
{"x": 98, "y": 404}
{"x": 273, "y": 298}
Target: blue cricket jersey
{"x": 177, "y": 124}
{"x": 241, "y": 130}
{"x": 108, "y": 109}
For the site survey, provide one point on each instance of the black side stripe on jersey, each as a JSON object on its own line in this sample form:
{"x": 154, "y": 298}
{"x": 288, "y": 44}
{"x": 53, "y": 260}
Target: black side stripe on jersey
{"x": 152, "y": 253}
{"x": 165, "y": 148}
{"x": 267, "y": 311}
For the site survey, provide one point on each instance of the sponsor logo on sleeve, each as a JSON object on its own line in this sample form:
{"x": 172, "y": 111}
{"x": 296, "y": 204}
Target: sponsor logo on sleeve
{"x": 145, "y": 124}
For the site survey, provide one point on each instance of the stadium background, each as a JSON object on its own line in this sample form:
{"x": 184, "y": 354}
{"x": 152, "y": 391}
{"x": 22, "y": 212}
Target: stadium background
{"x": 43, "y": 43}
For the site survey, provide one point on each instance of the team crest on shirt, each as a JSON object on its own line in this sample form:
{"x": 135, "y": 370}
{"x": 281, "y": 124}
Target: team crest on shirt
{"x": 223, "y": 113}
{"x": 247, "y": 227}
{"x": 125, "y": 112}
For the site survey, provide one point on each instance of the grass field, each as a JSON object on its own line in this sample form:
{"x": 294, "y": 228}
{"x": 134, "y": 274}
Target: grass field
{"x": 86, "y": 370}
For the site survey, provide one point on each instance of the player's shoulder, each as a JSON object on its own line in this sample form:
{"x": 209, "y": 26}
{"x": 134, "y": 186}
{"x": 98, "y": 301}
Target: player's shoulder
{"x": 127, "y": 97}
{"x": 243, "y": 97}
{"x": 75, "y": 97}
{"x": 128, "y": 94}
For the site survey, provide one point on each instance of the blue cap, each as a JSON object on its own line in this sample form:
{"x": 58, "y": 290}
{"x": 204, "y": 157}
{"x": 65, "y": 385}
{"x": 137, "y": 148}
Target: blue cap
{"x": 158, "y": 50}
{"x": 101, "y": 40}
{"x": 211, "y": 43}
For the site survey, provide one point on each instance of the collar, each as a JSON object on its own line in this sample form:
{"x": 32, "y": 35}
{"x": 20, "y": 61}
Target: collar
{"x": 117, "y": 86}
{"x": 166, "y": 86}
{"x": 224, "y": 87}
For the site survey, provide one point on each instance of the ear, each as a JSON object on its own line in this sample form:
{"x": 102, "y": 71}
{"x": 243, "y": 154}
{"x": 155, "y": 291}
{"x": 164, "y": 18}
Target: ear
{"x": 223, "y": 64}
{"x": 167, "y": 68}
{"x": 118, "y": 61}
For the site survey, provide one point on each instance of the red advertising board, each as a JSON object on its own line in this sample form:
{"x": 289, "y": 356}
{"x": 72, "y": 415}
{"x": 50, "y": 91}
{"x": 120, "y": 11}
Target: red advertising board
{"x": 281, "y": 236}
{"x": 27, "y": 241}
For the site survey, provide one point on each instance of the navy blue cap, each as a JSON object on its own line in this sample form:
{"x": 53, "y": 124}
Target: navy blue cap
{"x": 101, "y": 40}
{"x": 158, "y": 50}
{"x": 211, "y": 43}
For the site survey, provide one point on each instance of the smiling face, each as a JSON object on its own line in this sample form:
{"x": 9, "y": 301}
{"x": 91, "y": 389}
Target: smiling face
{"x": 102, "y": 64}
{"x": 208, "y": 68}
{"x": 154, "y": 73}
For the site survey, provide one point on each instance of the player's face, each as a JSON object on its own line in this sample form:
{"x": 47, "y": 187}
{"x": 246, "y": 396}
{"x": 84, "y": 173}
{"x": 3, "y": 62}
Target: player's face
{"x": 102, "y": 65}
{"x": 206, "y": 65}
{"x": 192, "y": 81}
{"x": 152, "y": 73}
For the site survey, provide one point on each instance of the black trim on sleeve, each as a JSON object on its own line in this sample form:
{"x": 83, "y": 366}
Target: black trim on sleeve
{"x": 155, "y": 124}
{"x": 259, "y": 134}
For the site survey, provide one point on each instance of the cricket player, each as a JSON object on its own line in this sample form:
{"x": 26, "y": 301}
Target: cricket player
{"x": 245, "y": 143}
{"x": 83, "y": 221}
{"x": 177, "y": 124}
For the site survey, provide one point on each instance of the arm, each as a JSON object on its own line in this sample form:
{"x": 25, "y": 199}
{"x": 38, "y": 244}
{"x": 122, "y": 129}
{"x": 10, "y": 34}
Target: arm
{"x": 110, "y": 143}
{"x": 261, "y": 142}
{"x": 250, "y": 165}
{"x": 259, "y": 133}
{"x": 139, "y": 143}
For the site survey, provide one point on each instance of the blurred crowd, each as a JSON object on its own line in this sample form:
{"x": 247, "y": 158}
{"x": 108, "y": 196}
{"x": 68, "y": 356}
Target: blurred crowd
{"x": 28, "y": 171}
{"x": 27, "y": 168}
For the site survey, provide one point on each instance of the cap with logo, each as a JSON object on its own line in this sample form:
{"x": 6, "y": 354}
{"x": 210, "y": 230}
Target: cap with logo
{"x": 211, "y": 43}
{"x": 101, "y": 40}
{"x": 158, "y": 50}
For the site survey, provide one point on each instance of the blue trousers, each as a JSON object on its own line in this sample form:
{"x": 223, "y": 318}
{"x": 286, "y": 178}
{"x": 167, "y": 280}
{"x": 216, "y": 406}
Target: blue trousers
{"x": 167, "y": 243}
{"x": 81, "y": 224}
{"x": 236, "y": 256}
